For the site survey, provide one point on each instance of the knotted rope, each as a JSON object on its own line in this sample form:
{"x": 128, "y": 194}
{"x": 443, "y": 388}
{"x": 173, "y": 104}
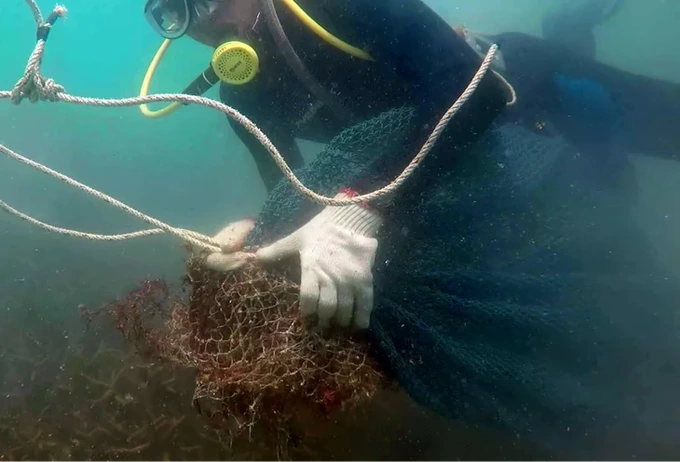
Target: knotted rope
{"x": 35, "y": 87}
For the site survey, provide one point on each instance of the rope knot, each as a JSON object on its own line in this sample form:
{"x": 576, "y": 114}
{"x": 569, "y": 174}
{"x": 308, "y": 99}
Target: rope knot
{"x": 33, "y": 85}
{"x": 50, "y": 90}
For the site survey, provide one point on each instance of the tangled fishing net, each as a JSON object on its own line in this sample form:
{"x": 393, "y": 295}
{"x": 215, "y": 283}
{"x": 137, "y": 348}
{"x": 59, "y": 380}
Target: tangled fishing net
{"x": 256, "y": 361}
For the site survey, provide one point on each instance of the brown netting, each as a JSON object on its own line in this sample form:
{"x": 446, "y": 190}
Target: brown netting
{"x": 258, "y": 365}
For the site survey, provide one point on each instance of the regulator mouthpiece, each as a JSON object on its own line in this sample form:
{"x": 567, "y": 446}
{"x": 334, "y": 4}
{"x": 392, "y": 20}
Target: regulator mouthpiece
{"x": 235, "y": 63}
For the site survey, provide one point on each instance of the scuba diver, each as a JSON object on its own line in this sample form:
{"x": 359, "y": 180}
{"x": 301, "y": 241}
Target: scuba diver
{"x": 504, "y": 293}
{"x": 367, "y": 58}
{"x": 317, "y": 67}
{"x": 560, "y": 87}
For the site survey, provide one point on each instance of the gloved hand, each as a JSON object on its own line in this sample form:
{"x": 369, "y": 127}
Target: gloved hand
{"x": 337, "y": 252}
{"x": 232, "y": 239}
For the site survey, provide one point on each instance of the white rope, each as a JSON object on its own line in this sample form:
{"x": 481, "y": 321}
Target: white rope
{"x": 35, "y": 87}
{"x": 191, "y": 237}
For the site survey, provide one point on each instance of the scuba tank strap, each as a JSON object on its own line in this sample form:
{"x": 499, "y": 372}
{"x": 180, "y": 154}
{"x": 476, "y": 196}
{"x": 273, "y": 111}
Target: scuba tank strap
{"x": 296, "y": 64}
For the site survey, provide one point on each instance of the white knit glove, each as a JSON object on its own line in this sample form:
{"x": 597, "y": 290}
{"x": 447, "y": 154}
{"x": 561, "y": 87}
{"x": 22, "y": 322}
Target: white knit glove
{"x": 231, "y": 238}
{"x": 337, "y": 251}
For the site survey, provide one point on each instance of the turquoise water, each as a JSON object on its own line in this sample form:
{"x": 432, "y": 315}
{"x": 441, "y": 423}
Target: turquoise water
{"x": 190, "y": 171}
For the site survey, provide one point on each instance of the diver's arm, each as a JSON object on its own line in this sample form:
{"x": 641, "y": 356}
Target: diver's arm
{"x": 587, "y": 100}
{"x": 284, "y": 142}
{"x": 277, "y": 134}
{"x": 648, "y": 108}
{"x": 651, "y": 110}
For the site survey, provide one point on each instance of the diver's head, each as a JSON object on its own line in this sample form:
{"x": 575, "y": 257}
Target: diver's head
{"x": 207, "y": 21}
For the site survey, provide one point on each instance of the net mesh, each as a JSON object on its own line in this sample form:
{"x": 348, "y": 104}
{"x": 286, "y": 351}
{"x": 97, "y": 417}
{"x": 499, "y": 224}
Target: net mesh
{"x": 512, "y": 290}
{"x": 258, "y": 366}
{"x": 354, "y": 155}
{"x": 256, "y": 361}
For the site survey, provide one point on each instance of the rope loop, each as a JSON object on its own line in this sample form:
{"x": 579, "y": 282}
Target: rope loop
{"x": 32, "y": 84}
{"x": 35, "y": 87}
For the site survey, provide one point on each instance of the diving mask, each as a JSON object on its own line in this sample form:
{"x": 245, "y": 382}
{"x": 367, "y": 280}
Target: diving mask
{"x": 172, "y": 18}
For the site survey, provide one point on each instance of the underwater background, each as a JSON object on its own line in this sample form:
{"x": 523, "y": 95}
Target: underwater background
{"x": 190, "y": 171}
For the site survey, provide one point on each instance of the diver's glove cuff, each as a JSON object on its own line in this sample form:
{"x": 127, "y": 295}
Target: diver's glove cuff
{"x": 361, "y": 218}
{"x": 378, "y": 205}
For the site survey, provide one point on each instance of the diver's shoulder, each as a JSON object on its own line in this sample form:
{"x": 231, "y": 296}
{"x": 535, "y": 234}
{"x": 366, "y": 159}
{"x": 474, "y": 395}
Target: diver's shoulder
{"x": 514, "y": 38}
{"x": 518, "y": 43}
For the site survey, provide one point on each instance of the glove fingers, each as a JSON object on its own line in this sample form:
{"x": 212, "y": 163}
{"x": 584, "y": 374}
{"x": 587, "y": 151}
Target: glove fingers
{"x": 343, "y": 315}
{"x": 362, "y": 317}
{"x": 233, "y": 236}
{"x": 226, "y": 262}
{"x": 309, "y": 291}
{"x": 328, "y": 300}
{"x": 282, "y": 248}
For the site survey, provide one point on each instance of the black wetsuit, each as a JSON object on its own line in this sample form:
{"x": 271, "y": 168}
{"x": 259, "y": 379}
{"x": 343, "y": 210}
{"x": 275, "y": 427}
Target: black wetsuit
{"x": 509, "y": 295}
{"x": 419, "y": 62}
{"x": 603, "y": 111}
